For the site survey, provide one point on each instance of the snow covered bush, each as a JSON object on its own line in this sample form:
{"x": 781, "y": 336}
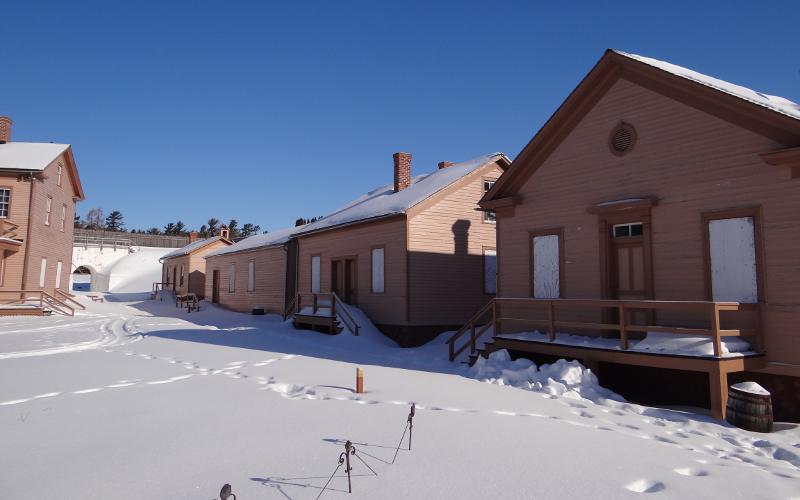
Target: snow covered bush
{"x": 568, "y": 379}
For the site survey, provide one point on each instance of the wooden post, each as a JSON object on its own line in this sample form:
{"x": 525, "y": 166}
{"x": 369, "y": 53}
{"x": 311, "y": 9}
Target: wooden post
{"x": 718, "y": 391}
{"x": 472, "y": 337}
{"x": 623, "y": 332}
{"x": 715, "y": 339}
{"x": 315, "y": 304}
{"x": 333, "y": 307}
{"x": 451, "y": 350}
{"x": 551, "y": 329}
{"x": 494, "y": 318}
{"x": 359, "y": 381}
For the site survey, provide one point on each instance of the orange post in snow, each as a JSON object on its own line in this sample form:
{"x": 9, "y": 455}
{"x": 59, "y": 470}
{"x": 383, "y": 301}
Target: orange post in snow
{"x": 359, "y": 381}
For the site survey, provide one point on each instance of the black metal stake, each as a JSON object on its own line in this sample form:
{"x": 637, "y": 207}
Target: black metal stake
{"x": 348, "y": 450}
{"x": 411, "y": 424}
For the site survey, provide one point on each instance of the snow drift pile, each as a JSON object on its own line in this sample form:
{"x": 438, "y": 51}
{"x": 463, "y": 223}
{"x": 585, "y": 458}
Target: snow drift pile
{"x": 134, "y": 273}
{"x": 564, "y": 378}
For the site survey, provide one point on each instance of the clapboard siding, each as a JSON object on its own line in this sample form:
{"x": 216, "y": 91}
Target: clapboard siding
{"x": 194, "y": 269}
{"x": 693, "y": 163}
{"x": 269, "y": 279}
{"x": 358, "y": 240}
{"x": 18, "y": 214}
{"x": 446, "y": 243}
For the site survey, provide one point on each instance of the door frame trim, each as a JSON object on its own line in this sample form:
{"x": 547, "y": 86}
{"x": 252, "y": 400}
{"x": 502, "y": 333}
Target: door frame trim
{"x": 605, "y": 223}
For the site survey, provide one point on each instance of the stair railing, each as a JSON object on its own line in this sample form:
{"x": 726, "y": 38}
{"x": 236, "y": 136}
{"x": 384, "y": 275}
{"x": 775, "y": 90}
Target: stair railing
{"x": 475, "y": 330}
{"x": 56, "y": 304}
{"x": 66, "y": 297}
{"x": 340, "y": 308}
{"x": 291, "y": 307}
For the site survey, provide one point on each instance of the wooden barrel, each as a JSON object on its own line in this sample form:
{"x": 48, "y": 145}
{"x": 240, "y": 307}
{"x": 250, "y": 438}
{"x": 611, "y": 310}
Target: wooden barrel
{"x": 749, "y": 410}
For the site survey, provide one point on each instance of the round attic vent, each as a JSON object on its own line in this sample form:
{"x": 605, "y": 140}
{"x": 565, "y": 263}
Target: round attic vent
{"x": 622, "y": 139}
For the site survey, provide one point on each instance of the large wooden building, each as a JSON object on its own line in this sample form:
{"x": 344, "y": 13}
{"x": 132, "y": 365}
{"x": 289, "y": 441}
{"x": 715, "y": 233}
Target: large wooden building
{"x": 656, "y": 213}
{"x": 184, "y": 269}
{"x": 255, "y": 274}
{"x": 39, "y": 186}
{"x": 417, "y": 256}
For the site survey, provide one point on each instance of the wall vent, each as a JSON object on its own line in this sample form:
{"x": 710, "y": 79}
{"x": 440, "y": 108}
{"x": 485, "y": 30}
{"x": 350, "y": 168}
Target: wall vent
{"x": 622, "y": 139}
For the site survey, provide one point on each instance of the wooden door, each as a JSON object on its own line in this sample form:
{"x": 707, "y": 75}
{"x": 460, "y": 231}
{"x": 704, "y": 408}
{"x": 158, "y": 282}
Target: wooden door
{"x": 350, "y": 281}
{"x": 215, "y": 287}
{"x": 336, "y": 277}
{"x": 628, "y": 267}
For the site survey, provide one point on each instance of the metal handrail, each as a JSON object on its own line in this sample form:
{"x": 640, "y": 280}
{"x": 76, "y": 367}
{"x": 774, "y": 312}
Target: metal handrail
{"x": 65, "y": 297}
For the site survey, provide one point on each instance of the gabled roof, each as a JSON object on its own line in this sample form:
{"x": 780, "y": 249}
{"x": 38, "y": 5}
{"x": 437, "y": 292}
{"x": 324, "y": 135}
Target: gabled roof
{"x": 257, "y": 241}
{"x": 35, "y": 157}
{"x": 193, "y": 247}
{"x": 384, "y": 202}
{"x": 771, "y": 116}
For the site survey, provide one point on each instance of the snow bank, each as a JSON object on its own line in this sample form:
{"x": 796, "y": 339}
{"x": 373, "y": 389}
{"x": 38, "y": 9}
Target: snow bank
{"x": 564, "y": 378}
{"x": 137, "y": 271}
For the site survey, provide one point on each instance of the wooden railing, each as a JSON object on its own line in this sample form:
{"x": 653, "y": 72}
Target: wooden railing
{"x": 489, "y": 316}
{"x": 39, "y": 297}
{"x": 290, "y": 308}
{"x": 337, "y": 307}
{"x": 157, "y": 287}
{"x": 68, "y": 298}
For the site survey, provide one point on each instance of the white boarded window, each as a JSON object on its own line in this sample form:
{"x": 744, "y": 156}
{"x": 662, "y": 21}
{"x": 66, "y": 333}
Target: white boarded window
{"x": 546, "y": 267}
{"x": 378, "y": 276}
{"x": 732, "y": 249}
{"x": 43, "y": 272}
{"x": 47, "y": 209}
{"x": 232, "y": 278}
{"x": 489, "y": 271}
{"x": 251, "y": 276}
{"x": 60, "y": 172}
{"x": 181, "y": 278}
{"x": 63, "y": 216}
{"x": 315, "y": 274}
{"x": 58, "y": 274}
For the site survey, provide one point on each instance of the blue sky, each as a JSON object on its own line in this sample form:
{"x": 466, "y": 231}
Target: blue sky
{"x": 267, "y": 111}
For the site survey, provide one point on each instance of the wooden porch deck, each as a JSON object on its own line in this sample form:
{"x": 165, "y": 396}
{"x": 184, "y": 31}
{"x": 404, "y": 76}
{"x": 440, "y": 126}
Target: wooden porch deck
{"x": 502, "y": 316}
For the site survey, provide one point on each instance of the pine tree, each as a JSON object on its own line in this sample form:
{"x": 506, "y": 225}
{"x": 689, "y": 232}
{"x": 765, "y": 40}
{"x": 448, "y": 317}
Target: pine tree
{"x": 299, "y": 222}
{"x": 233, "y": 229}
{"x": 180, "y": 228}
{"x": 169, "y": 229}
{"x": 95, "y": 219}
{"x": 203, "y": 233}
{"x": 114, "y": 221}
{"x": 213, "y": 226}
{"x": 154, "y": 230}
{"x": 250, "y": 229}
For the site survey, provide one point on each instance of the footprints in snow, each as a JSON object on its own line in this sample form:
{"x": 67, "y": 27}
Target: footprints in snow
{"x": 653, "y": 486}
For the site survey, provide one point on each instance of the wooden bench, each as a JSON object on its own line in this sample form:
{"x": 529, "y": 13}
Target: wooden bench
{"x": 189, "y": 301}
{"x": 96, "y": 298}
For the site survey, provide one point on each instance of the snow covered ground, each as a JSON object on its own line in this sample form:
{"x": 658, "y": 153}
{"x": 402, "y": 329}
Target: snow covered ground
{"x": 139, "y": 399}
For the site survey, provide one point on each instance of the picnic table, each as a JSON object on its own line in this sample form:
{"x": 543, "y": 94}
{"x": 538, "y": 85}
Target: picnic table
{"x": 189, "y": 301}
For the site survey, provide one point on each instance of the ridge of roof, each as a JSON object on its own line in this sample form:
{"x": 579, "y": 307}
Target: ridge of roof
{"x": 256, "y": 241}
{"x": 383, "y": 202}
{"x": 191, "y": 247}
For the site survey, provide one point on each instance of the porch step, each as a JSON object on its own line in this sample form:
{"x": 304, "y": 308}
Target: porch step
{"x": 327, "y": 324}
{"x": 488, "y": 348}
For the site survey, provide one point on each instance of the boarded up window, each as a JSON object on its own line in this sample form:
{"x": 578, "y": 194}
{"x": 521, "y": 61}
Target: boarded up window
{"x": 315, "y": 274}
{"x": 43, "y": 272}
{"x": 546, "y": 267}
{"x": 181, "y": 278}
{"x": 58, "y": 274}
{"x": 251, "y": 276}
{"x": 489, "y": 271}
{"x": 232, "y": 278}
{"x": 378, "y": 270}
{"x": 732, "y": 251}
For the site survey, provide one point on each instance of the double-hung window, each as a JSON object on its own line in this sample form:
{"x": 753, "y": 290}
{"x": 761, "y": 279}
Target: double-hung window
{"x": 5, "y": 201}
{"x": 488, "y": 215}
{"x": 47, "y": 209}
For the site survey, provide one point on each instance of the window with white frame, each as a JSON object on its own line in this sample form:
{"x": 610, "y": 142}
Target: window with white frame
{"x": 489, "y": 271}
{"x": 63, "y": 216}
{"x": 5, "y": 202}
{"x": 43, "y": 272}
{"x": 732, "y": 255}
{"x": 546, "y": 266}
{"x": 60, "y": 171}
{"x": 315, "y": 273}
{"x": 378, "y": 272}
{"x": 232, "y": 278}
{"x": 47, "y": 209}
{"x": 59, "y": 266}
{"x": 488, "y": 215}
{"x": 251, "y": 276}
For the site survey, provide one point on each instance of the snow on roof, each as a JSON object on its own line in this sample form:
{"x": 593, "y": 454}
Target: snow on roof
{"x": 383, "y": 201}
{"x": 10, "y": 240}
{"x": 775, "y": 103}
{"x": 29, "y": 155}
{"x": 274, "y": 238}
{"x": 191, "y": 247}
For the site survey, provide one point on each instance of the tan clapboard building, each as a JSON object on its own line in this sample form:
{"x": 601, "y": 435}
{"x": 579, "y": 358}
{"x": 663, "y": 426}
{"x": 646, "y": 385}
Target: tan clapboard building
{"x": 657, "y": 204}
{"x": 184, "y": 269}
{"x": 256, "y": 274}
{"x": 417, "y": 256}
{"x": 39, "y": 186}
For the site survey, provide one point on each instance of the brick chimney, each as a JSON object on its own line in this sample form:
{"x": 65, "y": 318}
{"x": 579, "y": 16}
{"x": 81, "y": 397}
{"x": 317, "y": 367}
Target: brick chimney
{"x": 5, "y": 129}
{"x": 402, "y": 171}
{"x": 445, "y": 164}
{"x": 192, "y": 236}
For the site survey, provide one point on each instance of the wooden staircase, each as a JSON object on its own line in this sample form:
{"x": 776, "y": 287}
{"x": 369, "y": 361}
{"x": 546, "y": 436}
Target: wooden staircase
{"x": 320, "y": 312}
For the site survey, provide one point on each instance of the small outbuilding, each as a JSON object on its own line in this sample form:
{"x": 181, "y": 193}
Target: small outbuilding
{"x": 184, "y": 269}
